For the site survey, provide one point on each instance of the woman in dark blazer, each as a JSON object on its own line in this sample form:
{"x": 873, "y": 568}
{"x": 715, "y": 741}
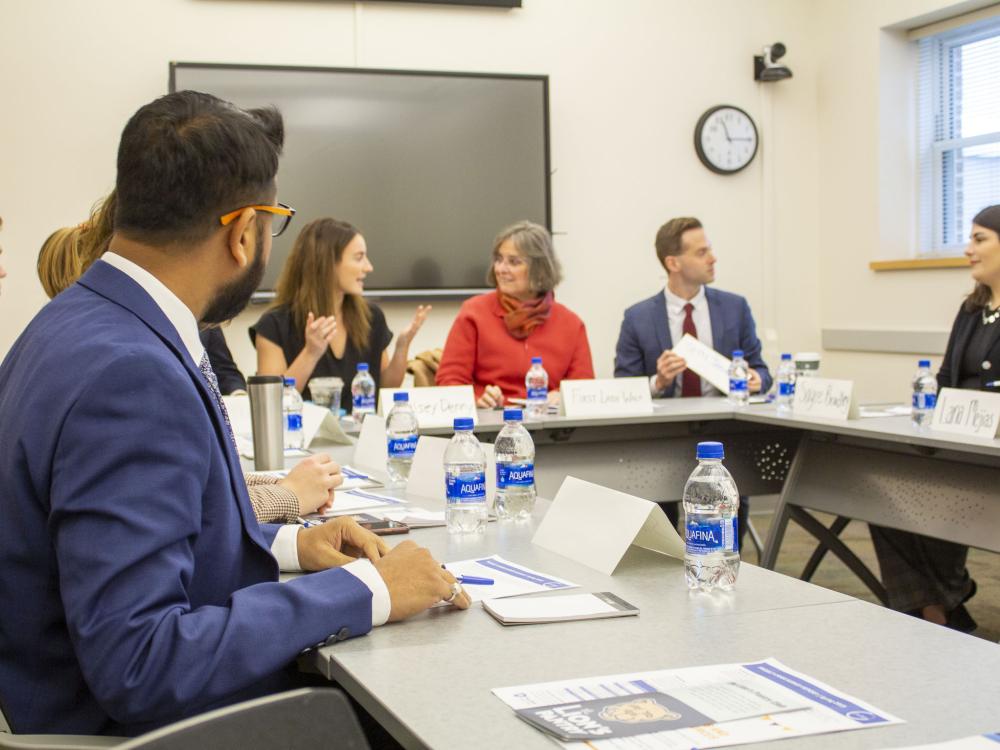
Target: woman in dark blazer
{"x": 923, "y": 576}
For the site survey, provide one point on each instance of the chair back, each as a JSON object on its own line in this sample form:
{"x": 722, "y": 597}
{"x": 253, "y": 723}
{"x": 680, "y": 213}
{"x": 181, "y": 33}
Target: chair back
{"x": 424, "y": 367}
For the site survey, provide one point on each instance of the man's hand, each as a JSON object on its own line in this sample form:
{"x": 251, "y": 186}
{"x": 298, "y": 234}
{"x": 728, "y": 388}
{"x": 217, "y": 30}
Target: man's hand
{"x": 313, "y": 480}
{"x": 753, "y": 380}
{"x": 668, "y": 367}
{"x": 492, "y": 397}
{"x": 416, "y": 581}
{"x": 338, "y": 542}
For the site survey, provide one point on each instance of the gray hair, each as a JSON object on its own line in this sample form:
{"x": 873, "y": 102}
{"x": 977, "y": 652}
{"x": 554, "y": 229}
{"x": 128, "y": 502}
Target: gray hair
{"x": 534, "y": 242}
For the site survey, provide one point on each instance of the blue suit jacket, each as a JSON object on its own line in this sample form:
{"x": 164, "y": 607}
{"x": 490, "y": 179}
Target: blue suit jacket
{"x": 136, "y": 586}
{"x": 645, "y": 333}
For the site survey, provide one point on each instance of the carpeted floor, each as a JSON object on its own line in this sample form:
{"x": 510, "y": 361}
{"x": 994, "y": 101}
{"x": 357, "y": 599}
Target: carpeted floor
{"x": 833, "y": 574}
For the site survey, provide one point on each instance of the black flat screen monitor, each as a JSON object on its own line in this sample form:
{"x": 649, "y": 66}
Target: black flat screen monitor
{"x": 429, "y": 166}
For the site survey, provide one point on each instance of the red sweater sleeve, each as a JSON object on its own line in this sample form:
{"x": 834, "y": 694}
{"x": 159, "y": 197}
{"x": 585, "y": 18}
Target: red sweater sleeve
{"x": 581, "y": 367}
{"x": 459, "y": 356}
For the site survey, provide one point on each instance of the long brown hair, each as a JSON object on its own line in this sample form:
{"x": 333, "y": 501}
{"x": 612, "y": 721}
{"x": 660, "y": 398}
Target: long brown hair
{"x": 304, "y": 284}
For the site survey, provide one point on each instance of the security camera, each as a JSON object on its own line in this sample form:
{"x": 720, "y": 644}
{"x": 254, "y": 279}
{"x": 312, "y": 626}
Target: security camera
{"x": 766, "y": 67}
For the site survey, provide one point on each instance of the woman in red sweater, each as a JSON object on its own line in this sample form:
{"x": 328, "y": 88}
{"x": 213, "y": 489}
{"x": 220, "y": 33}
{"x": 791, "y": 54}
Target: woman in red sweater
{"x": 496, "y": 334}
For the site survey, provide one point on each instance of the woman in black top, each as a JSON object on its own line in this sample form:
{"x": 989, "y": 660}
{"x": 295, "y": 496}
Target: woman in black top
{"x": 923, "y": 576}
{"x": 320, "y": 325}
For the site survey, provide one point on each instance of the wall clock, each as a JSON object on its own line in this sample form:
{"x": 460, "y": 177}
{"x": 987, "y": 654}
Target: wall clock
{"x": 725, "y": 139}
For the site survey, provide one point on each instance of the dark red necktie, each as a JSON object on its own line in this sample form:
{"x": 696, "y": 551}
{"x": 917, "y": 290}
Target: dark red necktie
{"x": 690, "y": 380}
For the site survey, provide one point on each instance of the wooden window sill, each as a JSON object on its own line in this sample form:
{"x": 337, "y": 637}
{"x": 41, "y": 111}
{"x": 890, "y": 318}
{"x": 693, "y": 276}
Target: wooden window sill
{"x": 918, "y": 264}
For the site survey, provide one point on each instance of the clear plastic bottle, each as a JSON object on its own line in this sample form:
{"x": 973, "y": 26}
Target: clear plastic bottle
{"x": 711, "y": 503}
{"x": 291, "y": 405}
{"x": 924, "y": 394}
{"x": 401, "y": 432}
{"x": 739, "y": 391}
{"x": 786, "y": 384}
{"x": 362, "y": 393}
{"x": 515, "y": 456}
{"x": 465, "y": 481}
{"x": 536, "y": 384}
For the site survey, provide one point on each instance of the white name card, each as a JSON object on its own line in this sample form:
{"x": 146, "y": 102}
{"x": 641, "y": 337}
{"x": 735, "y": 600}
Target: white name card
{"x": 427, "y": 470}
{"x": 963, "y": 412}
{"x": 606, "y": 397}
{"x": 825, "y": 398}
{"x": 436, "y": 406}
{"x": 705, "y": 361}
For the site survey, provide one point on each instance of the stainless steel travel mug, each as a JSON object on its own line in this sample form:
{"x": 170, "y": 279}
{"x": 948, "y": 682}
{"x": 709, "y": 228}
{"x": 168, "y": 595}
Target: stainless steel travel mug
{"x": 267, "y": 420}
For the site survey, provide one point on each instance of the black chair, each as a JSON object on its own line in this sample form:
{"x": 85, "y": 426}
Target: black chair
{"x": 306, "y": 718}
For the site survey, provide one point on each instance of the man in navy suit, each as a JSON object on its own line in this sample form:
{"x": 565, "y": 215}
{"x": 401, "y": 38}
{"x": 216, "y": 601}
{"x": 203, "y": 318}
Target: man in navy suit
{"x": 720, "y": 320}
{"x": 137, "y": 587}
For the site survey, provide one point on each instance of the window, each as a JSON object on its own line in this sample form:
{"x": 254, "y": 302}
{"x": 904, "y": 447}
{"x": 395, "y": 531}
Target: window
{"x": 958, "y": 136}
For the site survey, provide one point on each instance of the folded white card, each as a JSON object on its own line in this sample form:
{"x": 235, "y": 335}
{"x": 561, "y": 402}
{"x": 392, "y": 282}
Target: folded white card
{"x": 436, "y": 406}
{"x": 605, "y": 397}
{"x": 965, "y": 412}
{"x": 705, "y": 361}
{"x": 427, "y": 470}
{"x": 825, "y": 398}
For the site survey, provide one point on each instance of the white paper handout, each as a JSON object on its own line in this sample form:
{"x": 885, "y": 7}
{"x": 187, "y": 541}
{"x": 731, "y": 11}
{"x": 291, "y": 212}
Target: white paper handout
{"x": 359, "y": 501}
{"x": 704, "y": 360}
{"x": 727, "y": 693}
{"x": 509, "y": 579}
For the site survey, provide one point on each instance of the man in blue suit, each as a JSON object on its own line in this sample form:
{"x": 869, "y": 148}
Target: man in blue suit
{"x": 720, "y": 320}
{"x": 137, "y": 587}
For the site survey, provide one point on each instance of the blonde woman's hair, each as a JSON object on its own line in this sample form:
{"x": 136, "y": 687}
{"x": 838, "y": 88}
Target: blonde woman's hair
{"x": 305, "y": 281}
{"x": 70, "y": 251}
{"x": 534, "y": 242}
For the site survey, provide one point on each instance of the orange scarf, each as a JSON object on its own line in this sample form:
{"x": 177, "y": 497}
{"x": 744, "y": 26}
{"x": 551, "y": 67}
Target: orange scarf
{"x": 522, "y": 318}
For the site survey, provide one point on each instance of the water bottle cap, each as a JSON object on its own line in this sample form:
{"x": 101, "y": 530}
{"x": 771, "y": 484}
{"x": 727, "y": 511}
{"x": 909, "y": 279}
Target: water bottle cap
{"x": 710, "y": 450}
{"x": 463, "y": 423}
{"x": 362, "y": 367}
{"x": 737, "y": 353}
{"x": 400, "y": 396}
{"x": 924, "y": 363}
{"x": 536, "y": 360}
{"x": 786, "y": 357}
{"x": 290, "y": 381}
{"x": 512, "y": 415}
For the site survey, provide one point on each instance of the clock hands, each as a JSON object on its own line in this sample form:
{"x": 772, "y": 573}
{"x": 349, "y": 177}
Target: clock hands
{"x": 725, "y": 130}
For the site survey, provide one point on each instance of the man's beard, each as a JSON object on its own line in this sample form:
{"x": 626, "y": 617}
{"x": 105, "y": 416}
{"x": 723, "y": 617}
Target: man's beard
{"x": 233, "y": 297}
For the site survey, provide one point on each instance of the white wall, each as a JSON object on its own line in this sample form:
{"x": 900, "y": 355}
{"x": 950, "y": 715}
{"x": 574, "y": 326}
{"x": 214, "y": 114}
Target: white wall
{"x": 629, "y": 79}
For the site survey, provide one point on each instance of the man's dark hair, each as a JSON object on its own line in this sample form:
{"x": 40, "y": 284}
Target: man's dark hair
{"x": 188, "y": 158}
{"x": 668, "y": 238}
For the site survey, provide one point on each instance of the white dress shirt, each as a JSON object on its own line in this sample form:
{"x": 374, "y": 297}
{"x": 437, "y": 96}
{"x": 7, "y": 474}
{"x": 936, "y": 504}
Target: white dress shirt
{"x": 285, "y": 545}
{"x": 675, "y": 320}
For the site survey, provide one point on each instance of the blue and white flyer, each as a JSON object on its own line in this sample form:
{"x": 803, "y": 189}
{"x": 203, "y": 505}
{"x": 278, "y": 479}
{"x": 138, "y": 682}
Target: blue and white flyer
{"x": 727, "y": 694}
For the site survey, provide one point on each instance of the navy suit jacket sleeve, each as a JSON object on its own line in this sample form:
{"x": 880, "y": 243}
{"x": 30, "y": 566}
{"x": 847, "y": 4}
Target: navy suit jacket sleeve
{"x": 129, "y": 519}
{"x": 751, "y": 347}
{"x": 628, "y": 351}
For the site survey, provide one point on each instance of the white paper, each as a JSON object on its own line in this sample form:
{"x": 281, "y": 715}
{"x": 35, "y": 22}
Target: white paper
{"x": 723, "y": 692}
{"x": 435, "y": 406}
{"x": 509, "y": 579}
{"x": 704, "y": 360}
{"x": 355, "y": 478}
{"x": 989, "y": 741}
{"x": 889, "y": 410}
{"x": 824, "y": 398}
{"x": 595, "y": 526}
{"x": 966, "y": 412}
{"x": 358, "y": 501}
{"x": 415, "y": 518}
{"x": 605, "y": 397}
{"x": 427, "y": 470}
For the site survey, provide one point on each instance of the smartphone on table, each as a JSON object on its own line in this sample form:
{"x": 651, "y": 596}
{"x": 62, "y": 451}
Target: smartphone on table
{"x": 381, "y": 526}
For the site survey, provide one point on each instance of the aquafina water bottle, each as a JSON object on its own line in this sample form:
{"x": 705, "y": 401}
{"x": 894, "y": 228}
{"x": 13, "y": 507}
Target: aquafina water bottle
{"x": 362, "y": 393}
{"x": 465, "y": 481}
{"x": 924, "y": 394}
{"x": 515, "y": 455}
{"x": 291, "y": 405}
{"x": 739, "y": 391}
{"x": 711, "y": 502}
{"x": 536, "y": 384}
{"x": 786, "y": 384}
{"x": 401, "y": 435}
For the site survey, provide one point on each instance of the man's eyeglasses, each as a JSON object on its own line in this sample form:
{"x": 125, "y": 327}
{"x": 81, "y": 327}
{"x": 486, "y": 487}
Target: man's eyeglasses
{"x": 282, "y": 216}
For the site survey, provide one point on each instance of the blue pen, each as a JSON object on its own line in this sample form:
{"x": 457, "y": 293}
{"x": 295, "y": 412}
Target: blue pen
{"x": 475, "y": 581}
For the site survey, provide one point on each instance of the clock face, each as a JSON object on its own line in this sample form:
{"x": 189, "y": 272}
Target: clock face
{"x": 725, "y": 139}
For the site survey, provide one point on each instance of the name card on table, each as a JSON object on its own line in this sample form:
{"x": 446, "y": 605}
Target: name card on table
{"x": 705, "y": 361}
{"x": 427, "y": 469}
{"x": 963, "y": 412}
{"x": 318, "y": 424}
{"x": 596, "y": 526}
{"x": 606, "y": 397}
{"x": 371, "y": 454}
{"x": 825, "y": 398}
{"x": 436, "y": 406}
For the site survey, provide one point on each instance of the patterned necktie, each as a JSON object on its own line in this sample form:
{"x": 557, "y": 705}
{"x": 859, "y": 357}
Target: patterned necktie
{"x": 213, "y": 383}
{"x": 690, "y": 380}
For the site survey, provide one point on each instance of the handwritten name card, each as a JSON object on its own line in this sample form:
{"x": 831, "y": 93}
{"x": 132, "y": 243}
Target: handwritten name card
{"x": 705, "y": 361}
{"x": 825, "y": 398}
{"x": 963, "y": 412}
{"x": 606, "y": 397}
{"x": 436, "y": 406}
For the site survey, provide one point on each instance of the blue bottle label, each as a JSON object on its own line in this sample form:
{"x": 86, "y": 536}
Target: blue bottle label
{"x": 924, "y": 400}
{"x": 730, "y": 535}
{"x": 737, "y": 386}
{"x": 786, "y": 389}
{"x": 402, "y": 447}
{"x": 515, "y": 475}
{"x": 539, "y": 394}
{"x": 364, "y": 402}
{"x": 700, "y": 538}
{"x": 465, "y": 488}
{"x": 294, "y": 422}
